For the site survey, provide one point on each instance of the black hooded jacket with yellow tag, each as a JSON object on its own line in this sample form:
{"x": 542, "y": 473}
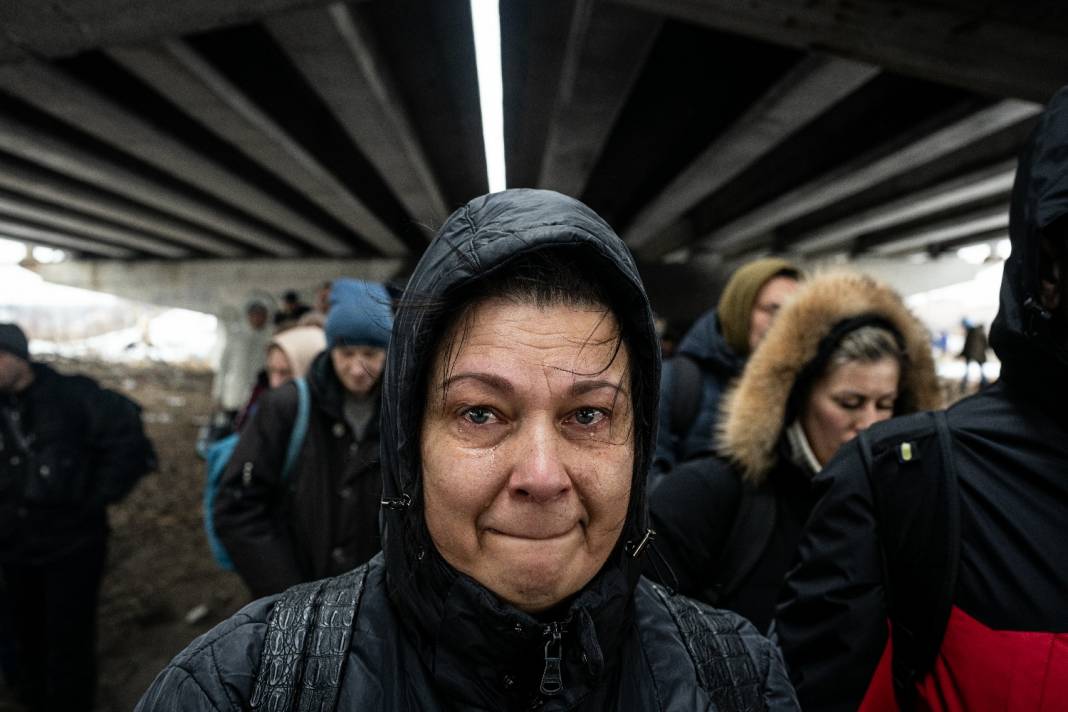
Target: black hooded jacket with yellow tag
{"x": 1004, "y": 644}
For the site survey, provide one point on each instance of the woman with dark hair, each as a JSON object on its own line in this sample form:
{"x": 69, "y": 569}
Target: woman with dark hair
{"x": 843, "y": 354}
{"x": 519, "y": 406}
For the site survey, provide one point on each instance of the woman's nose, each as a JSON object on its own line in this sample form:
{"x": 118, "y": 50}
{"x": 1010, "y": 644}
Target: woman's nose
{"x": 868, "y": 417}
{"x": 539, "y": 473}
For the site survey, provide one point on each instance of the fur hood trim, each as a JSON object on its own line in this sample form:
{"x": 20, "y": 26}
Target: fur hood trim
{"x": 751, "y": 417}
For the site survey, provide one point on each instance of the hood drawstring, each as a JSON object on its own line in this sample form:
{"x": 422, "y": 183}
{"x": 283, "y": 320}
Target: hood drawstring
{"x": 658, "y": 559}
{"x": 636, "y": 550}
{"x": 592, "y": 655}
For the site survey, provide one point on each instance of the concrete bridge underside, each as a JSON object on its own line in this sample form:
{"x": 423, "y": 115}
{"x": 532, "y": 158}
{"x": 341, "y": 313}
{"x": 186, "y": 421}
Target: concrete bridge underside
{"x": 191, "y": 152}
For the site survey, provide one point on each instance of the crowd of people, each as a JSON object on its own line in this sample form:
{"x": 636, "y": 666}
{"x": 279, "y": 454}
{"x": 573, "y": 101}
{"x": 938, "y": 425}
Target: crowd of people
{"x": 490, "y": 493}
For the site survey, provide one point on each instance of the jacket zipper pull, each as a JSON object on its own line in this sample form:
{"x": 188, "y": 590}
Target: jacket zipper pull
{"x": 552, "y": 680}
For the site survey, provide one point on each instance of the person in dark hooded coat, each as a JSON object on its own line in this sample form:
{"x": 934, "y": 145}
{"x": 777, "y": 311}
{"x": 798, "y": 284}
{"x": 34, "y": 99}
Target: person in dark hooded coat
{"x": 971, "y": 511}
{"x": 717, "y": 346}
{"x": 519, "y": 417}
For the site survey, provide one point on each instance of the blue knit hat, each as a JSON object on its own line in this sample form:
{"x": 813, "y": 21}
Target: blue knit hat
{"x": 360, "y": 314}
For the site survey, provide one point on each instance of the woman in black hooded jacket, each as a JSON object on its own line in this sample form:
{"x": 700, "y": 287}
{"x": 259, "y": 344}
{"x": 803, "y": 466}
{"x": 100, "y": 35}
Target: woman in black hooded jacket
{"x": 518, "y": 420}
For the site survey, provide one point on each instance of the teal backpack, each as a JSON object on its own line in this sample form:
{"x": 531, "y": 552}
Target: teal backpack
{"x": 218, "y": 456}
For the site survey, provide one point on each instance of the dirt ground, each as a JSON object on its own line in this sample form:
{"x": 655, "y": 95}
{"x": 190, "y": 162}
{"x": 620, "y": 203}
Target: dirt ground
{"x": 159, "y": 566}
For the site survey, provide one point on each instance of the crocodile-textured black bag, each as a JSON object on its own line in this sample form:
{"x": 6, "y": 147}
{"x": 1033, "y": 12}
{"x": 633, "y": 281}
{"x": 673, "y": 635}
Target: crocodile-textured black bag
{"x": 307, "y": 642}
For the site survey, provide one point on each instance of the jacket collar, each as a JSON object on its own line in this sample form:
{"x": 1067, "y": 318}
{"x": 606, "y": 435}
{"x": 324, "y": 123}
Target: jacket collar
{"x": 487, "y": 654}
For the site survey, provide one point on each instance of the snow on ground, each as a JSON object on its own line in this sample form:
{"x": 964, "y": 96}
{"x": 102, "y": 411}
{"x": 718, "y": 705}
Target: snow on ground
{"x": 79, "y": 323}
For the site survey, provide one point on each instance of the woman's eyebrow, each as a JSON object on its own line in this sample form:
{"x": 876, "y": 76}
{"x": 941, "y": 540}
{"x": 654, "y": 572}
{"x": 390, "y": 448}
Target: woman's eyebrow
{"x": 579, "y": 388}
{"x": 495, "y": 382}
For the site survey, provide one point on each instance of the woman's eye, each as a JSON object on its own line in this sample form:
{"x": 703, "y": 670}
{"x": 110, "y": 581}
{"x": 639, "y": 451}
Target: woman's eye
{"x": 477, "y": 415}
{"x": 849, "y": 403}
{"x": 589, "y": 416}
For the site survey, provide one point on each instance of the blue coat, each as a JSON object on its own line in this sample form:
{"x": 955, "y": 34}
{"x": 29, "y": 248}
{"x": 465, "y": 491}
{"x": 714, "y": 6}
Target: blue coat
{"x": 705, "y": 345}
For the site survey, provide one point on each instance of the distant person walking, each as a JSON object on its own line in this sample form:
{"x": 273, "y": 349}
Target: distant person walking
{"x": 975, "y": 348}
{"x": 241, "y": 361}
{"x": 68, "y": 449}
{"x": 292, "y": 310}
{"x": 712, "y": 354}
{"x": 322, "y": 519}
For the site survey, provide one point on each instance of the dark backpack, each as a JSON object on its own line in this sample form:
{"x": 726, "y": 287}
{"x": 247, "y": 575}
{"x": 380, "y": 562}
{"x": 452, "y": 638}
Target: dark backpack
{"x": 687, "y": 388}
{"x": 309, "y": 631}
{"x": 218, "y": 454}
{"x": 917, "y": 508}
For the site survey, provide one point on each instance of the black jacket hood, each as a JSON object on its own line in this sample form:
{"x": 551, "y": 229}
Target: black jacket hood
{"x": 441, "y": 607}
{"x": 1021, "y": 334}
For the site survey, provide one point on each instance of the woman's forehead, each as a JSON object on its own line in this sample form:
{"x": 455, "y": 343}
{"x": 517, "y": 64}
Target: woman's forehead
{"x": 883, "y": 372}
{"x": 501, "y": 336}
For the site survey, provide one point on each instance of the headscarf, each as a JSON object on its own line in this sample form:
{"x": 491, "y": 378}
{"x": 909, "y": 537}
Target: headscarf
{"x": 301, "y": 345}
{"x": 735, "y": 308}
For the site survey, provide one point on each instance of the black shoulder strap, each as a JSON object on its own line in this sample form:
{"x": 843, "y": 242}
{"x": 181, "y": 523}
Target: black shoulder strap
{"x": 725, "y": 669}
{"x": 307, "y": 643}
{"x": 917, "y": 504}
{"x": 750, "y": 533}
{"x": 685, "y": 394}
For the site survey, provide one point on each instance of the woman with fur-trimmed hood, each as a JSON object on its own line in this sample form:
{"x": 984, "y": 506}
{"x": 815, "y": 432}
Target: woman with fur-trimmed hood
{"x": 844, "y": 354}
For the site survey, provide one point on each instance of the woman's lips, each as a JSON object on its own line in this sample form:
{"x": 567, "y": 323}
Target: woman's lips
{"x": 533, "y": 535}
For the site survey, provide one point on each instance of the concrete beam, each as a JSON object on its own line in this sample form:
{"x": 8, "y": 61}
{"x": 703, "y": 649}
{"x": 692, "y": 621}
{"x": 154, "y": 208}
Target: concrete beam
{"x": 27, "y": 179}
{"x": 856, "y": 176}
{"x": 71, "y": 101}
{"x": 30, "y": 28}
{"x": 815, "y": 85}
{"x": 979, "y": 185}
{"x": 976, "y": 223}
{"x": 52, "y": 216}
{"x": 65, "y": 157}
{"x": 186, "y": 79}
{"x": 605, "y": 52}
{"x": 961, "y": 47}
{"x": 213, "y": 286}
{"x": 910, "y": 278}
{"x": 950, "y": 247}
{"x": 28, "y": 233}
{"x": 337, "y": 52}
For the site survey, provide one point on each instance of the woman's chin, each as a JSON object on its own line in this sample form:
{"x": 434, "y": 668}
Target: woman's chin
{"x": 541, "y": 580}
